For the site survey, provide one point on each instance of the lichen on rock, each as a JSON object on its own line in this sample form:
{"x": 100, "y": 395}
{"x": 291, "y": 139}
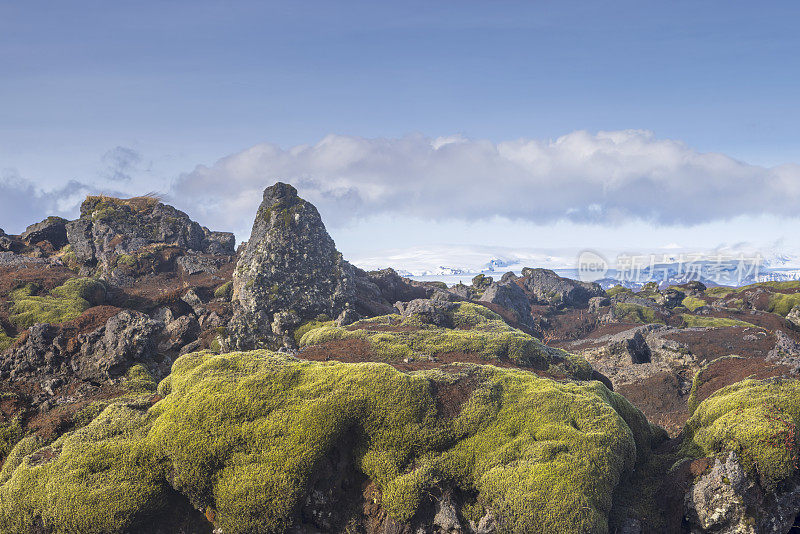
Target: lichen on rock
{"x": 290, "y": 272}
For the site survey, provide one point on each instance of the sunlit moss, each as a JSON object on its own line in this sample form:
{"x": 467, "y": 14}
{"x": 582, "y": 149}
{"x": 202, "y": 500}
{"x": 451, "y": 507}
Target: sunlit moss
{"x": 695, "y": 321}
{"x": 62, "y": 304}
{"x": 477, "y": 331}
{"x": 754, "y": 418}
{"x": 635, "y": 313}
{"x": 692, "y": 303}
{"x": 243, "y": 433}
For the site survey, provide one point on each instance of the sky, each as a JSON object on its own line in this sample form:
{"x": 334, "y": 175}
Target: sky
{"x": 411, "y": 125}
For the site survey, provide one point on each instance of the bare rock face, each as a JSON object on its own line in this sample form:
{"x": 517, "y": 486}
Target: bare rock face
{"x": 547, "y": 287}
{"x": 111, "y": 228}
{"x": 52, "y": 230}
{"x": 727, "y": 500}
{"x": 290, "y": 272}
{"x": 513, "y": 298}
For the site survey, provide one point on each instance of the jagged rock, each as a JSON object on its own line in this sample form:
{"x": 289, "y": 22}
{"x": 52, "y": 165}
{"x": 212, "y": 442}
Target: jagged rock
{"x": 429, "y": 311}
{"x": 727, "y": 500}
{"x": 9, "y": 259}
{"x": 508, "y": 277}
{"x": 481, "y": 281}
{"x": 348, "y": 316}
{"x": 670, "y": 298}
{"x": 595, "y": 303}
{"x": 193, "y": 264}
{"x": 786, "y": 352}
{"x": 126, "y": 338}
{"x": 111, "y": 227}
{"x": 52, "y": 230}
{"x": 179, "y": 332}
{"x": 5, "y": 242}
{"x": 290, "y": 272}
{"x": 547, "y": 287}
{"x": 793, "y": 318}
{"x": 394, "y": 287}
{"x": 462, "y": 291}
{"x": 511, "y": 297}
{"x": 106, "y": 352}
{"x": 193, "y": 299}
{"x": 446, "y": 517}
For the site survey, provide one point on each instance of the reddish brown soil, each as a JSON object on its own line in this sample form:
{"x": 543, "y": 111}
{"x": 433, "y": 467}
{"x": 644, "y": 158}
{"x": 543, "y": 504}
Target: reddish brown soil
{"x": 450, "y": 398}
{"x": 711, "y": 343}
{"x": 728, "y": 371}
{"x": 660, "y": 399}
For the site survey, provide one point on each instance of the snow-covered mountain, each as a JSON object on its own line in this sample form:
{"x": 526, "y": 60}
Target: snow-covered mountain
{"x": 720, "y": 266}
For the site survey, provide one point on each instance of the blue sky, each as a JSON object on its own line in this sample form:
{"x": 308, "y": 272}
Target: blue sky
{"x": 133, "y": 96}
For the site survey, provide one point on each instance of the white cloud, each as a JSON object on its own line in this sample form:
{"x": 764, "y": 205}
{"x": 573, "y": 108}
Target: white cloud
{"x": 608, "y": 177}
{"x": 22, "y": 204}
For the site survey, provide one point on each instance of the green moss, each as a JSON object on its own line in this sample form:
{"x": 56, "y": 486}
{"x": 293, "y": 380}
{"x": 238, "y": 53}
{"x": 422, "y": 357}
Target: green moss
{"x": 301, "y": 330}
{"x": 782, "y": 303}
{"x": 616, "y": 290}
{"x": 692, "y": 303}
{"x": 5, "y": 340}
{"x": 695, "y": 321}
{"x": 127, "y": 259}
{"x": 243, "y": 432}
{"x": 10, "y": 433}
{"x": 478, "y": 331}
{"x": 721, "y": 291}
{"x": 138, "y": 380}
{"x": 224, "y": 291}
{"x": 635, "y": 313}
{"x": 62, "y": 304}
{"x": 754, "y": 418}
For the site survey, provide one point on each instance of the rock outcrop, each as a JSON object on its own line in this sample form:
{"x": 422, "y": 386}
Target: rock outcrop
{"x": 727, "y": 499}
{"x": 511, "y": 297}
{"x": 290, "y": 272}
{"x": 113, "y": 230}
{"x": 52, "y": 230}
{"x": 547, "y": 287}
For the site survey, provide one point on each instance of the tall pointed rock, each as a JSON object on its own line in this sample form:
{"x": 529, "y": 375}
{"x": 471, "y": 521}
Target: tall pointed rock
{"x": 289, "y": 272}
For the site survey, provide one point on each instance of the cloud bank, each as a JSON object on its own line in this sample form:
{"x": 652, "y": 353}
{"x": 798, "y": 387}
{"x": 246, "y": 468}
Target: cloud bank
{"x": 606, "y": 178}
{"x": 22, "y": 203}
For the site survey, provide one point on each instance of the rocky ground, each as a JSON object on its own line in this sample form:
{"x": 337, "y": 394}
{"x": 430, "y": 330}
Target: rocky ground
{"x": 366, "y": 402}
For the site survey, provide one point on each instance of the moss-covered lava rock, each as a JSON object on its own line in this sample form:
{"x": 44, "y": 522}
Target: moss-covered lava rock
{"x": 241, "y": 435}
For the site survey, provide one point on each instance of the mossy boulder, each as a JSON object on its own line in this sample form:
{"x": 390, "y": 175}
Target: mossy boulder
{"x": 241, "y": 435}
{"x": 63, "y": 303}
{"x": 757, "y": 420}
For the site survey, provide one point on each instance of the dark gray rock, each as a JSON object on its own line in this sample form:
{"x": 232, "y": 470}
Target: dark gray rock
{"x": 511, "y": 297}
{"x": 508, "y": 277}
{"x": 546, "y": 287}
{"x": 290, "y": 272}
{"x": 219, "y": 243}
{"x": 429, "y": 311}
{"x": 109, "y": 227}
{"x": 595, "y": 303}
{"x": 53, "y": 230}
{"x": 194, "y": 264}
{"x": 104, "y": 353}
{"x": 9, "y": 259}
{"x": 127, "y": 338}
{"x": 462, "y": 291}
{"x": 394, "y": 287}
